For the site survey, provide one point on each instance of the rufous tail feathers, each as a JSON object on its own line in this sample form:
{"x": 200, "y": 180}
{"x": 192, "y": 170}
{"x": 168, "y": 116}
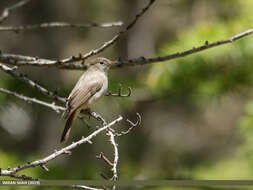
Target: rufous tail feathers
{"x": 68, "y": 126}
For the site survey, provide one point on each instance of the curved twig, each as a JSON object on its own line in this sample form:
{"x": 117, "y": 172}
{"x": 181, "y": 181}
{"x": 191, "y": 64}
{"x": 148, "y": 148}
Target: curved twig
{"x": 132, "y": 126}
{"x": 120, "y": 94}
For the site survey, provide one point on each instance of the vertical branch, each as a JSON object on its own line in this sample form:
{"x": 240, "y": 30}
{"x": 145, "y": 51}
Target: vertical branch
{"x": 116, "y": 155}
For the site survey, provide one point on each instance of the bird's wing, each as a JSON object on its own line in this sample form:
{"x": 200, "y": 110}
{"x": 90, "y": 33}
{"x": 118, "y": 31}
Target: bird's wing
{"x": 85, "y": 88}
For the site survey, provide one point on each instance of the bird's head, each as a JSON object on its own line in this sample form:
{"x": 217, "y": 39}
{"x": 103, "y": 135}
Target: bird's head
{"x": 101, "y": 64}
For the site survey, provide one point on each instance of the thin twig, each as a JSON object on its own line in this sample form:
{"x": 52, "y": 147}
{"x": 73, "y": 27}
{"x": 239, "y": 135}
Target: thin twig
{"x": 95, "y": 116}
{"x": 27, "y": 99}
{"x": 7, "y": 10}
{"x": 86, "y": 187}
{"x": 120, "y": 94}
{"x": 47, "y": 25}
{"x": 44, "y": 167}
{"x": 104, "y": 158}
{"x": 54, "y": 155}
{"x": 207, "y": 45}
{"x": 15, "y": 74}
{"x": 110, "y": 132}
{"x": 34, "y": 61}
{"x": 132, "y": 126}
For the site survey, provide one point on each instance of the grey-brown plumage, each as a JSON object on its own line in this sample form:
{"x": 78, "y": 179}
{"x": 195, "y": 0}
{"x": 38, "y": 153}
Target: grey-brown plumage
{"x": 90, "y": 87}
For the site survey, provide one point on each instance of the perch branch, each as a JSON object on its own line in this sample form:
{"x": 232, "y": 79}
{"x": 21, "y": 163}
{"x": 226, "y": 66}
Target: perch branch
{"x": 54, "y": 155}
{"x": 112, "y": 134}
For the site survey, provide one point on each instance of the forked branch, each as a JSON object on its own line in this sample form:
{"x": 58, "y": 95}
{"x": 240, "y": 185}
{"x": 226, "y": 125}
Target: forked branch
{"x": 57, "y": 153}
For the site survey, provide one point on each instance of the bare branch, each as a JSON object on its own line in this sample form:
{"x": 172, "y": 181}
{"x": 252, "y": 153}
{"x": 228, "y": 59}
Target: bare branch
{"x": 107, "y": 44}
{"x": 70, "y": 63}
{"x": 44, "y": 167}
{"x": 95, "y": 115}
{"x": 110, "y": 133}
{"x": 116, "y": 155}
{"x": 58, "y": 25}
{"x": 132, "y": 126}
{"x": 138, "y": 122}
{"x": 104, "y": 158}
{"x": 19, "y": 60}
{"x": 15, "y": 74}
{"x": 86, "y": 187}
{"x": 27, "y": 99}
{"x": 120, "y": 94}
{"x": 6, "y": 11}
{"x": 54, "y": 155}
{"x": 24, "y": 177}
{"x": 207, "y": 45}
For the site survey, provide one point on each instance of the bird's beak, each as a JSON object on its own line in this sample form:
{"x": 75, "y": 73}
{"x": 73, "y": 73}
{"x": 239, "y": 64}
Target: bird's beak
{"x": 112, "y": 63}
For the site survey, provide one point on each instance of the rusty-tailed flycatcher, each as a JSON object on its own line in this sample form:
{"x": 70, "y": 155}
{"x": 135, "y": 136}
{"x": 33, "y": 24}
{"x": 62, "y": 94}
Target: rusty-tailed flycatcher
{"x": 91, "y": 86}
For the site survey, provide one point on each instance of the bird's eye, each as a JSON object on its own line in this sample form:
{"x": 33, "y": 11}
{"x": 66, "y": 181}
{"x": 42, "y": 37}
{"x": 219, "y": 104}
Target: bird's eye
{"x": 101, "y": 63}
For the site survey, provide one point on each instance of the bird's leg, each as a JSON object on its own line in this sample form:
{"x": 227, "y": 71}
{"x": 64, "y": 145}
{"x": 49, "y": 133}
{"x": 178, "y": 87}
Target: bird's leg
{"x": 95, "y": 115}
{"x": 81, "y": 117}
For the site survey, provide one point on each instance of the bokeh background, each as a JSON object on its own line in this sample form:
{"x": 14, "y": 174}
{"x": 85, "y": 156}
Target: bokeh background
{"x": 197, "y": 111}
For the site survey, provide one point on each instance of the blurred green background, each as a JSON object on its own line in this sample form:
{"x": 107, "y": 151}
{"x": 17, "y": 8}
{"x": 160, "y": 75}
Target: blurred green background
{"x": 197, "y": 111}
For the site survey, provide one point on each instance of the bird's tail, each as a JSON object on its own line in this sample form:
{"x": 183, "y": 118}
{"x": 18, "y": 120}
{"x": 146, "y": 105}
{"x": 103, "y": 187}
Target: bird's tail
{"x": 68, "y": 125}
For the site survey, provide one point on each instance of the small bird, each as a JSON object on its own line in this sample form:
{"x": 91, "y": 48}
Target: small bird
{"x": 91, "y": 86}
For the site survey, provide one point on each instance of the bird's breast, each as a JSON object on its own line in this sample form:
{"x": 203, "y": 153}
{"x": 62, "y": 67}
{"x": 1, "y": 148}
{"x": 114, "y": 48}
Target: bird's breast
{"x": 101, "y": 92}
